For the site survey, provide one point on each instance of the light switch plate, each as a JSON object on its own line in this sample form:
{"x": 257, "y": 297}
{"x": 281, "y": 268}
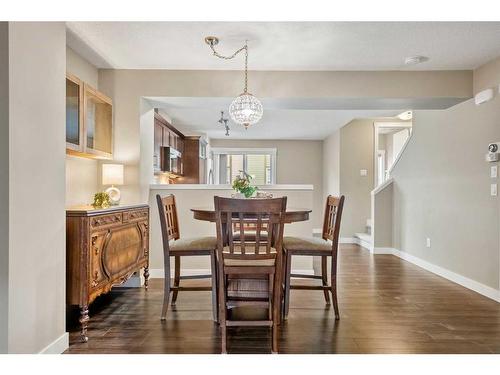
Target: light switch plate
{"x": 428, "y": 242}
{"x": 494, "y": 171}
{"x": 363, "y": 172}
{"x": 493, "y": 190}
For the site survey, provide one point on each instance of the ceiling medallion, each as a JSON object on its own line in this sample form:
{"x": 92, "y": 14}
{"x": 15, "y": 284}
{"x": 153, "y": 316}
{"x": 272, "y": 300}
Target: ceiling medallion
{"x": 245, "y": 109}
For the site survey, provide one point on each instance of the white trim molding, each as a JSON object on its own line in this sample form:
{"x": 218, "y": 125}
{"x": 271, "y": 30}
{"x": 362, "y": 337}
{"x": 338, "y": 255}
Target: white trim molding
{"x": 58, "y": 346}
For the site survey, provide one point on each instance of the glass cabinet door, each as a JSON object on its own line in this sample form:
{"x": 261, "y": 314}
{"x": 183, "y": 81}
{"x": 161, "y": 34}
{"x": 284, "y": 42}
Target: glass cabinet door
{"x": 98, "y": 123}
{"x": 73, "y": 114}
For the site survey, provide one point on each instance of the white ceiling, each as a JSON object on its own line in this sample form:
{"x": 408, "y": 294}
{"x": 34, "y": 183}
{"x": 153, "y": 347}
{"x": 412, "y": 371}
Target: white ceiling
{"x": 284, "y": 118}
{"x": 287, "y": 45}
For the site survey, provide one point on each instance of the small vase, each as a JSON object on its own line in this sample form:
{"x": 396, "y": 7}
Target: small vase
{"x": 238, "y": 195}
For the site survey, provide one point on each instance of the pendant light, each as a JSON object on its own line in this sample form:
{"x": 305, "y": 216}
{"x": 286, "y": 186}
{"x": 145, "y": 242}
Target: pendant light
{"x": 245, "y": 109}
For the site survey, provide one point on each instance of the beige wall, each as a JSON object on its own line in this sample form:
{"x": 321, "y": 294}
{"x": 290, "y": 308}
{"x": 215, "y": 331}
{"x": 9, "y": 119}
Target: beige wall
{"x": 297, "y": 162}
{"x": 331, "y": 164}
{"x": 381, "y": 203}
{"x": 81, "y": 173}
{"x": 442, "y": 191}
{"x": 487, "y": 76}
{"x": 356, "y": 153}
{"x": 4, "y": 185}
{"x": 126, "y": 87}
{"x": 37, "y": 217}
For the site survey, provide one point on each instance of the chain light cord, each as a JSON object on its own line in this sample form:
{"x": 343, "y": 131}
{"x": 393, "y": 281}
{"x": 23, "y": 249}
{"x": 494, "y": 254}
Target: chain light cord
{"x": 244, "y": 48}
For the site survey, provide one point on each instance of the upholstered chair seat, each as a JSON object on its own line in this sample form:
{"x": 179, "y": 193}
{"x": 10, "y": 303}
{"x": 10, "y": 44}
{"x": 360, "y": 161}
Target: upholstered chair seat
{"x": 312, "y": 244}
{"x": 193, "y": 244}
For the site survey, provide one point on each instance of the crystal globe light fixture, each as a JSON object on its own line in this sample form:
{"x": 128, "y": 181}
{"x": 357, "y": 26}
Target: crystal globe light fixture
{"x": 246, "y": 109}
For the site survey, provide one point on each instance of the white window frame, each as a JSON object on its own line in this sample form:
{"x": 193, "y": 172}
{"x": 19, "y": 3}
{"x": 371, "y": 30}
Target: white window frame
{"x": 217, "y": 151}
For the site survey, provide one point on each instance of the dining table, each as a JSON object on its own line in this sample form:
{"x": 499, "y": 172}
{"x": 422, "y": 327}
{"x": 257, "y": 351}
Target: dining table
{"x": 292, "y": 215}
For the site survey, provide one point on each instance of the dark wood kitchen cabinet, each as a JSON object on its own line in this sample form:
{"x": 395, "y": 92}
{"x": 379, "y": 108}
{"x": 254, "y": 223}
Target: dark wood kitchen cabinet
{"x": 165, "y": 135}
{"x": 194, "y": 159}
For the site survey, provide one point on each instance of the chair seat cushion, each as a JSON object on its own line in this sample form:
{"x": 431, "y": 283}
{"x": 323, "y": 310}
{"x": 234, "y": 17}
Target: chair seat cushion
{"x": 194, "y": 244}
{"x": 306, "y": 243}
{"x": 249, "y": 249}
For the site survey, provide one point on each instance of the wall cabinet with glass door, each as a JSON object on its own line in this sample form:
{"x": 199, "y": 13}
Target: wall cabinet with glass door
{"x": 74, "y": 114}
{"x": 89, "y": 121}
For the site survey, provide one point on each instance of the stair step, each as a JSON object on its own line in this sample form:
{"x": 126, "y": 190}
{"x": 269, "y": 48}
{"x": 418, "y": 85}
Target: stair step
{"x": 364, "y": 237}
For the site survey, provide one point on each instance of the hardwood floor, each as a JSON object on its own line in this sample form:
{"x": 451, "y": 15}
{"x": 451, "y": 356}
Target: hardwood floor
{"x": 386, "y": 305}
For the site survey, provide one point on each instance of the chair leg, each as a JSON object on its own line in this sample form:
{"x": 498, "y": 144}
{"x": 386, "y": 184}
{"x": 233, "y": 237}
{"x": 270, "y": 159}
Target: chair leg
{"x": 177, "y": 278}
{"x": 222, "y": 310}
{"x": 334, "y": 287}
{"x": 276, "y": 316}
{"x": 166, "y": 289}
{"x": 324, "y": 278}
{"x": 215, "y": 305}
{"x": 286, "y": 300}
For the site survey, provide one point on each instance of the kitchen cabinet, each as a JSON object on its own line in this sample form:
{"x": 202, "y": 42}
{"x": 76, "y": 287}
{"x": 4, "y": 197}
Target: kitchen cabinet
{"x": 194, "y": 160}
{"x": 158, "y": 143}
{"x": 74, "y": 113}
{"x": 165, "y": 135}
{"x": 98, "y": 123}
{"x": 89, "y": 121}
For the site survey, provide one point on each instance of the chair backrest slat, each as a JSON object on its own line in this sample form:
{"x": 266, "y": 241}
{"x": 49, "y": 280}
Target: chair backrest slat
{"x": 169, "y": 221}
{"x": 332, "y": 219}
{"x": 262, "y": 219}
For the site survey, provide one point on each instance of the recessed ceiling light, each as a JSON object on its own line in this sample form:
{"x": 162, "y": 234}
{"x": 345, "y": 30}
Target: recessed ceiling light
{"x": 414, "y": 60}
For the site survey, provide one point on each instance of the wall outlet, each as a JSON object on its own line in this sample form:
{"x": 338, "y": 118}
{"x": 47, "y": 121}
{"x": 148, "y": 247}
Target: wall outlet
{"x": 493, "y": 190}
{"x": 363, "y": 172}
{"x": 494, "y": 171}
{"x": 428, "y": 242}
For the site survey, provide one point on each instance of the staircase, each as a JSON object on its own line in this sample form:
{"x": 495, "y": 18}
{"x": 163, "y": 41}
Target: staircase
{"x": 365, "y": 239}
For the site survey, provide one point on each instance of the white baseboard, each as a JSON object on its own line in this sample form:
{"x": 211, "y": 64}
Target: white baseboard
{"x": 357, "y": 241}
{"x": 382, "y": 250}
{"x": 58, "y": 346}
{"x": 352, "y": 240}
{"x": 157, "y": 273}
{"x": 475, "y": 286}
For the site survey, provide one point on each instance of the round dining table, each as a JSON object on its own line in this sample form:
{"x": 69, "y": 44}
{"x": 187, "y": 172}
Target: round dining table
{"x": 292, "y": 215}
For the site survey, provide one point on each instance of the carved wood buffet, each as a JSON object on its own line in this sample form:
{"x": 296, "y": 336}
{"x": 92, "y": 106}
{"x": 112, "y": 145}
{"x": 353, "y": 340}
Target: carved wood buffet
{"x": 104, "y": 248}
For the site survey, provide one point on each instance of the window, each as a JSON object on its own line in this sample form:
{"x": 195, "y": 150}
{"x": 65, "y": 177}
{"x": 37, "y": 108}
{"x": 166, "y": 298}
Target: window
{"x": 259, "y": 163}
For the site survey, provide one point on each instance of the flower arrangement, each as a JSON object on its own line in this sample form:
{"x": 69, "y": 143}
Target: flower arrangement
{"x": 242, "y": 184}
{"x": 101, "y": 200}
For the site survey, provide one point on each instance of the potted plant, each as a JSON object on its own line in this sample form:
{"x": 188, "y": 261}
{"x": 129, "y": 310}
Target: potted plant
{"x": 242, "y": 184}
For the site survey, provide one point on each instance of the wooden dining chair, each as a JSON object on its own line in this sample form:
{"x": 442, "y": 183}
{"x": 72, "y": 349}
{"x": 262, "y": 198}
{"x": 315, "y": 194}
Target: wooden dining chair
{"x": 174, "y": 246}
{"x": 249, "y": 271}
{"x": 323, "y": 247}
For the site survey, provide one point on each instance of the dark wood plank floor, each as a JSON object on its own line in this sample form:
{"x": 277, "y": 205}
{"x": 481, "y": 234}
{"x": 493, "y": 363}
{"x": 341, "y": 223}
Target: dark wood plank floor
{"x": 387, "y": 306}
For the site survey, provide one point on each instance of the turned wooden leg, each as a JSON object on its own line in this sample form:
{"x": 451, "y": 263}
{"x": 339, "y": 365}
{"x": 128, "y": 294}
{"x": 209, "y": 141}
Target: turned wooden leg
{"x": 146, "y": 277}
{"x": 286, "y": 301}
{"x": 177, "y": 278}
{"x": 84, "y": 321}
{"x": 324, "y": 278}
{"x": 166, "y": 288}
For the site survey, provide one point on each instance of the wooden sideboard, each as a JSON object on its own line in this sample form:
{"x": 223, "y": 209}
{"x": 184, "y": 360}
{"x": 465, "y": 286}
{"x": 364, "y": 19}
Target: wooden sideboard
{"x": 104, "y": 247}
